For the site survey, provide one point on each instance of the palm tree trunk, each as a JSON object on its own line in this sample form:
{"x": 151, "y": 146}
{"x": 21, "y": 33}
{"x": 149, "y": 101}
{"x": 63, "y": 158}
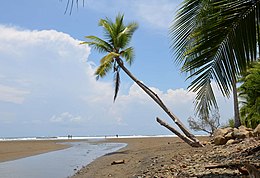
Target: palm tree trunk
{"x": 155, "y": 97}
{"x": 236, "y": 108}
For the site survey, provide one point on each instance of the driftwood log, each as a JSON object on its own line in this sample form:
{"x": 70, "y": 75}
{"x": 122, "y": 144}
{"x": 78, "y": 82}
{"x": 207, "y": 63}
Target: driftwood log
{"x": 118, "y": 162}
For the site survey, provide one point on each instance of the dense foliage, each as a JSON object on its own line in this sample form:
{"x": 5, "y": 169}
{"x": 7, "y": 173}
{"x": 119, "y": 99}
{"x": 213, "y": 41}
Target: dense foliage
{"x": 249, "y": 93}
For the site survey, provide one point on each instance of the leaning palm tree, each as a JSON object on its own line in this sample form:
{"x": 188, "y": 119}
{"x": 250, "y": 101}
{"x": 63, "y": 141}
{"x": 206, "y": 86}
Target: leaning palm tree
{"x": 116, "y": 47}
{"x": 216, "y": 40}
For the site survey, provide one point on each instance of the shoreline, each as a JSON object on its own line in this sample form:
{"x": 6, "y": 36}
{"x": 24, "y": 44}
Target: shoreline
{"x": 56, "y": 162}
{"x": 147, "y": 157}
{"x": 17, "y": 149}
{"x": 135, "y": 155}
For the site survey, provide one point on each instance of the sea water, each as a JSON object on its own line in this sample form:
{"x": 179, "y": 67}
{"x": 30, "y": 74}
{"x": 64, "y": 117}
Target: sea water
{"x": 57, "y": 164}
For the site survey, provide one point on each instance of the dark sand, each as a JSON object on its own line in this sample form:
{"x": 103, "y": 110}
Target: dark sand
{"x": 137, "y": 157}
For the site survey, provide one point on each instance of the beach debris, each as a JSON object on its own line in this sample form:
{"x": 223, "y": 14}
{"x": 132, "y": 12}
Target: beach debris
{"x": 118, "y": 162}
{"x": 226, "y": 161}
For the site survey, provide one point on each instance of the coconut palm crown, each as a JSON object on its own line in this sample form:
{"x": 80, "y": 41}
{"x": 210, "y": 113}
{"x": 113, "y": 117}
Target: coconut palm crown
{"x": 115, "y": 45}
{"x": 215, "y": 40}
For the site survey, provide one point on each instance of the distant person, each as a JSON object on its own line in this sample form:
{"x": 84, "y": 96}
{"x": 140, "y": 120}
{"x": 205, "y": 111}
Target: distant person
{"x": 116, "y": 136}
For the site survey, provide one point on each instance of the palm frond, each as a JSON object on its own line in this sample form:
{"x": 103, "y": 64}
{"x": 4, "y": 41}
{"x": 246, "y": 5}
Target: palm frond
{"x": 119, "y": 25}
{"x": 204, "y": 100}
{"x": 128, "y": 54}
{"x": 117, "y": 82}
{"x": 182, "y": 28}
{"x": 109, "y": 28}
{"x": 217, "y": 47}
{"x": 109, "y": 57}
{"x": 105, "y": 66}
{"x": 98, "y": 44}
{"x": 125, "y": 35}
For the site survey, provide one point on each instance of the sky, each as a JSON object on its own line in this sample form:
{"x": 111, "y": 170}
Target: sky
{"x": 47, "y": 81}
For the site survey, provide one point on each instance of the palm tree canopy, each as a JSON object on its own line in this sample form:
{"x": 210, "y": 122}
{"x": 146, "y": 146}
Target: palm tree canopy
{"x": 215, "y": 40}
{"x": 116, "y": 45}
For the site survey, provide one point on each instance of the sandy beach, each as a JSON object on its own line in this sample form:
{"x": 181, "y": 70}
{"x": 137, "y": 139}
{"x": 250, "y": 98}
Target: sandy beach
{"x": 166, "y": 157}
{"x": 137, "y": 157}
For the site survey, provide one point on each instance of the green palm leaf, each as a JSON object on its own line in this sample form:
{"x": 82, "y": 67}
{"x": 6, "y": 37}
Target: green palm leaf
{"x": 215, "y": 40}
{"x": 128, "y": 54}
{"x": 98, "y": 44}
{"x": 106, "y": 65}
{"x": 118, "y": 36}
{"x": 109, "y": 57}
{"x": 117, "y": 82}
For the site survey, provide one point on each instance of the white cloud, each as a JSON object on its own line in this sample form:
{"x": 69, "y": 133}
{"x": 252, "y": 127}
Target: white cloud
{"x": 21, "y": 43}
{"x": 137, "y": 101}
{"x": 65, "y": 117}
{"x": 12, "y": 94}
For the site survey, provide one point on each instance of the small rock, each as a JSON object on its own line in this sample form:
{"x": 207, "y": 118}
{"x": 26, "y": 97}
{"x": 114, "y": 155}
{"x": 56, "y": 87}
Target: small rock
{"x": 220, "y": 140}
{"x": 229, "y": 135}
{"x": 240, "y": 134}
{"x": 231, "y": 141}
{"x": 222, "y": 132}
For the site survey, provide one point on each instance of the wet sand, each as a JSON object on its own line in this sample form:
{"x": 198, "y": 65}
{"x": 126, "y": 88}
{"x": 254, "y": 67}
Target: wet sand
{"x": 11, "y": 150}
{"x": 56, "y": 164}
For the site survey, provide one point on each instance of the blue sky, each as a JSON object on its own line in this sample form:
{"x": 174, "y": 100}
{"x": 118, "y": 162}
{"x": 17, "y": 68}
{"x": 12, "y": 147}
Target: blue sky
{"x": 47, "y": 86}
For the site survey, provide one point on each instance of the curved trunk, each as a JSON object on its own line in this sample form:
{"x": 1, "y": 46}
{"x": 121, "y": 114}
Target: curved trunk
{"x": 195, "y": 142}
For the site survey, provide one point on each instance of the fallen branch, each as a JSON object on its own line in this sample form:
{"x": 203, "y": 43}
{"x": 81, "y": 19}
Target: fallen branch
{"x": 183, "y": 137}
